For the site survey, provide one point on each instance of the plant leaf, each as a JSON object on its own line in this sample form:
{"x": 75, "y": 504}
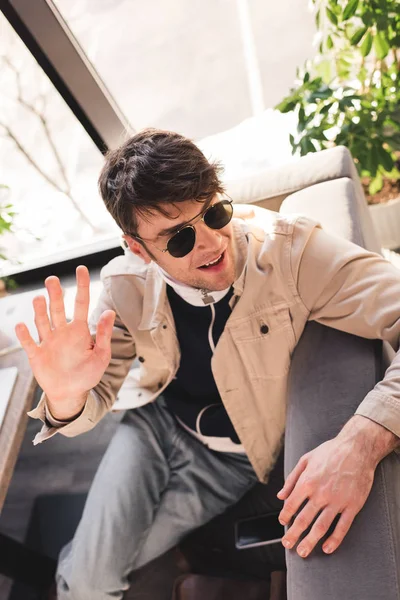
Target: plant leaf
{"x": 366, "y": 45}
{"x": 322, "y": 94}
{"x": 306, "y": 146}
{"x": 350, "y": 9}
{"x": 331, "y": 16}
{"x": 325, "y": 108}
{"x": 358, "y": 35}
{"x": 324, "y": 69}
{"x": 367, "y": 18}
{"x": 286, "y": 105}
{"x": 385, "y": 159}
{"x": 373, "y": 161}
{"x": 376, "y": 184}
{"x": 381, "y": 45}
{"x": 301, "y": 119}
{"x": 393, "y": 141}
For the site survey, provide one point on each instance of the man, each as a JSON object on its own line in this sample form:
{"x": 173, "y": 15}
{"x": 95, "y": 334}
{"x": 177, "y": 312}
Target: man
{"x": 213, "y": 308}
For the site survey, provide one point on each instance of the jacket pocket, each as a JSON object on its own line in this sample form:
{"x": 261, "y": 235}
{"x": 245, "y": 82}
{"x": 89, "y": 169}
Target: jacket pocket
{"x": 265, "y": 342}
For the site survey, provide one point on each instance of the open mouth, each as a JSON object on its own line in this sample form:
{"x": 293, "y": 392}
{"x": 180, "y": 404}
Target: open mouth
{"x": 213, "y": 263}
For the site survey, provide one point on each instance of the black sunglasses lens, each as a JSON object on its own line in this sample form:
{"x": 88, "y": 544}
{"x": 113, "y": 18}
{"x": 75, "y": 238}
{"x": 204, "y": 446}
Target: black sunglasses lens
{"x": 182, "y": 242}
{"x": 219, "y": 215}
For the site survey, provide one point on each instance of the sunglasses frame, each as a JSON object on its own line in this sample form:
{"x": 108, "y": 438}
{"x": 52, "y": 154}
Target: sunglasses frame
{"x": 195, "y": 220}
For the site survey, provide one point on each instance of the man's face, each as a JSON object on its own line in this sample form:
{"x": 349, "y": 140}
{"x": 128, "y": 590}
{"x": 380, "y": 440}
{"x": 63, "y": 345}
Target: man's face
{"x": 210, "y": 245}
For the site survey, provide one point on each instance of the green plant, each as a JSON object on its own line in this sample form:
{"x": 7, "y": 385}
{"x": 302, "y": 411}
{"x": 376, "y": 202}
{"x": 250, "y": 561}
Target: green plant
{"x": 6, "y": 216}
{"x": 6, "y": 220}
{"x": 349, "y": 94}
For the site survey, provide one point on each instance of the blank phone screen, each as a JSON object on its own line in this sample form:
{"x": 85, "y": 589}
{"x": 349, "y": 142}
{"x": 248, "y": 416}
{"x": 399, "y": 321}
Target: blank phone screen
{"x": 258, "y": 530}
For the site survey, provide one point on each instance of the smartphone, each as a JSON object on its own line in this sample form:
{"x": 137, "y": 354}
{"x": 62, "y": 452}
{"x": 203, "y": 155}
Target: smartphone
{"x": 258, "y": 531}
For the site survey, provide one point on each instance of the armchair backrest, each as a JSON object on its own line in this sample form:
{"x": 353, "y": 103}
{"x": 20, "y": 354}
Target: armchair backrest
{"x": 324, "y": 186}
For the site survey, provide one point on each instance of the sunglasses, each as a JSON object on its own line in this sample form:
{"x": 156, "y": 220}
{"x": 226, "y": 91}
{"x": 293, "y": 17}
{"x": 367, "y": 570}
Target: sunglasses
{"x": 183, "y": 241}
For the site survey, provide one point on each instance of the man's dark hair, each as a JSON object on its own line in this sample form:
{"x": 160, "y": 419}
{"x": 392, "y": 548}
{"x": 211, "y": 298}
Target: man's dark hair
{"x": 153, "y": 170}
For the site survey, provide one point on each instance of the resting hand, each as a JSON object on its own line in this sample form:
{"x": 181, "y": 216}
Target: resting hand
{"x": 334, "y": 479}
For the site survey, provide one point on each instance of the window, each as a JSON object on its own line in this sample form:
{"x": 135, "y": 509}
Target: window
{"x": 49, "y": 165}
{"x": 209, "y": 69}
{"x": 198, "y": 67}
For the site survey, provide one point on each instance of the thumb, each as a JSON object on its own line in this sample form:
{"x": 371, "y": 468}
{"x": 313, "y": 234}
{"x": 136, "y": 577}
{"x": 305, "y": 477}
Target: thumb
{"x": 104, "y": 330}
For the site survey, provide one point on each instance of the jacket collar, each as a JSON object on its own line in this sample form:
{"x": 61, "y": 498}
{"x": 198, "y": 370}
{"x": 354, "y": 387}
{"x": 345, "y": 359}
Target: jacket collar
{"x": 155, "y": 302}
{"x": 154, "y": 299}
{"x": 241, "y": 248}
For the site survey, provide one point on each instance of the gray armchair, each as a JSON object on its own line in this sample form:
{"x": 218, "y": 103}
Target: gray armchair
{"x": 331, "y": 373}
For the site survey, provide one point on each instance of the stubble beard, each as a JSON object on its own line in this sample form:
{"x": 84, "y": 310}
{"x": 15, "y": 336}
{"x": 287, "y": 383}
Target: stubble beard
{"x": 202, "y": 283}
{"x": 215, "y": 286}
{"x": 218, "y": 284}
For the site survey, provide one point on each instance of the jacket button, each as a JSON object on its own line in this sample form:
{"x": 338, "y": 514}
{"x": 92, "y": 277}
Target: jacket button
{"x": 164, "y": 326}
{"x": 141, "y": 359}
{"x": 264, "y": 328}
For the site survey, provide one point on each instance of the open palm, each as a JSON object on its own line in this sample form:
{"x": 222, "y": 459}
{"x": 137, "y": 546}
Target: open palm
{"x": 66, "y": 362}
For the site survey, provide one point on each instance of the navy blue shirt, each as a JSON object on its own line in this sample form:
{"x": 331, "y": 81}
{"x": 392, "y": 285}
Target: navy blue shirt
{"x": 194, "y": 387}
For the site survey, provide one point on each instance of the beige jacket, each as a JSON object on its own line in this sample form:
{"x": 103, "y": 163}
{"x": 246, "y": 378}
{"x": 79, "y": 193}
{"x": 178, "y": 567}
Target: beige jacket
{"x": 291, "y": 272}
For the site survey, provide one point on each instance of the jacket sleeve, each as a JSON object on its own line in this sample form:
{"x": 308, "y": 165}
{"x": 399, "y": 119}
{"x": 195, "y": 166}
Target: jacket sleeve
{"x": 102, "y": 397}
{"x": 343, "y": 286}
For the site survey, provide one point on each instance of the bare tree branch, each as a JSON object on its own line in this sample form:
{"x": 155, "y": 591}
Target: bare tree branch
{"x": 44, "y": 124}
{"x": 53, "y": 183}
{"x": 21, "y": 148}
{"x": 31, "y": 108}
{"x": 17, "y": 74}
{"x": 55, "y": 152}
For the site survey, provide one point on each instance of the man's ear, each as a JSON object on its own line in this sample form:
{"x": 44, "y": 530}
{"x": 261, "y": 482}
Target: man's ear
{"x": 137, "y": 248}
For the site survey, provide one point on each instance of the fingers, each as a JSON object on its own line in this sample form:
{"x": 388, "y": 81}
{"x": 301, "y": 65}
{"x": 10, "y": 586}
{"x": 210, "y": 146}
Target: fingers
{"x": 300, "y": 524}
{"x": 42, "y": 320}
{"x": 292, "y": 505}
{"x": 104, "y": 330}
{"x": 320, "y": 528}
{"x": 292, "y": 478}
{"x": 317, "y": 532}
{"x": 26, "y": 340}
{"x": 57, "y": 310}
{"x": 340, "y": 531}
{"x": 82, "y": 297}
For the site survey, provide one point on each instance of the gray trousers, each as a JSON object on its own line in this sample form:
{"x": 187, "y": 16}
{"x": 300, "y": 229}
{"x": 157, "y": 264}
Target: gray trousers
{"x": 155, "y": 484}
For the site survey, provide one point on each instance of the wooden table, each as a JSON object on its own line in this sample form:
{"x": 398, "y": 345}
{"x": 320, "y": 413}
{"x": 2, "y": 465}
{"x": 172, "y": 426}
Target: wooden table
{"x": 14, "y": 425}
{"x": 16, "y": 560}
{"x": 14, "y": 308}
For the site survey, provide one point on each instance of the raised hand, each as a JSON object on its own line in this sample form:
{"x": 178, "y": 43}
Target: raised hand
{"x": 66, "y": 363}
